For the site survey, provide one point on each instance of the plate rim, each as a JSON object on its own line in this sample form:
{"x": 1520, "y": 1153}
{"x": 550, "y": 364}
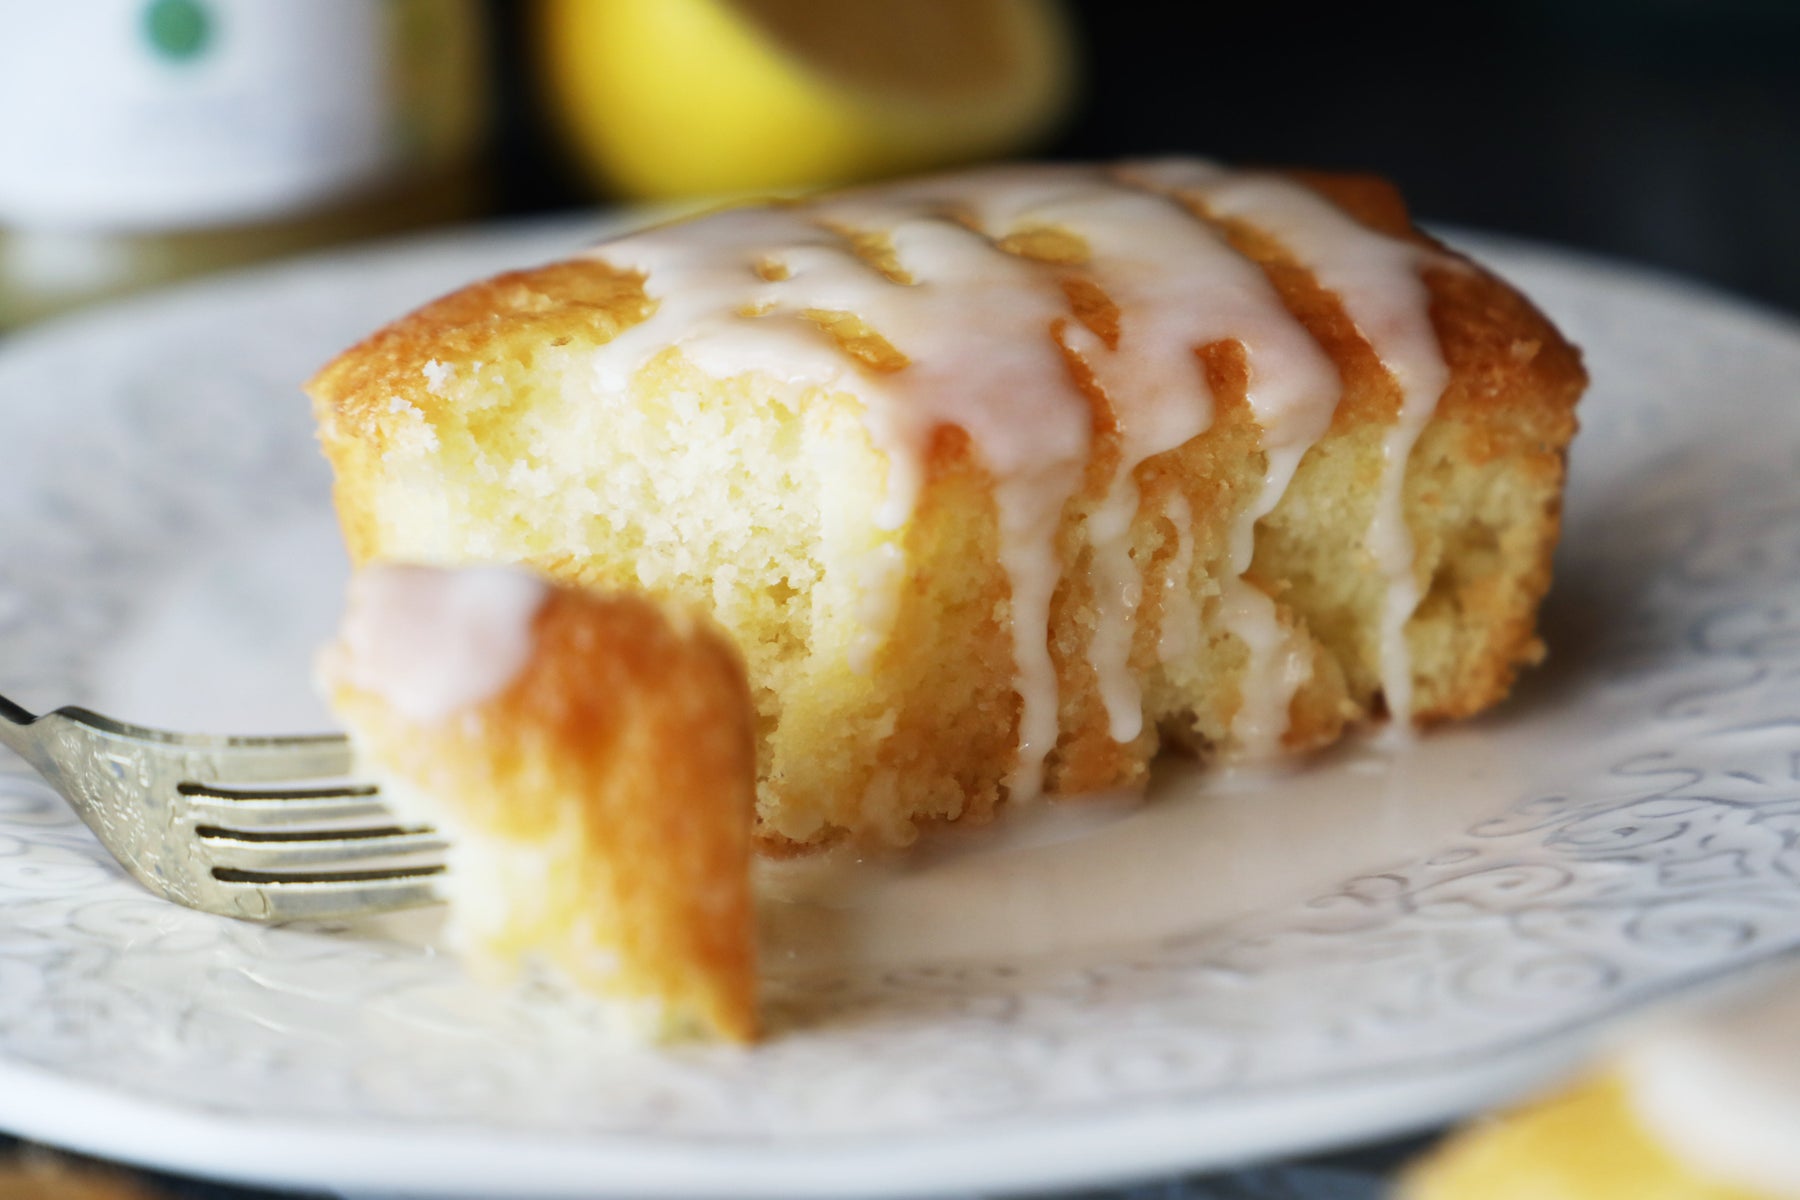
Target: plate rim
{"x": 1147, "y": 1140}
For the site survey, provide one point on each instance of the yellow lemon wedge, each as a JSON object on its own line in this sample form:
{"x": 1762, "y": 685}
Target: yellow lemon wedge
{"x": 668, "y": 98}
{"x": 1584, "y": 1144}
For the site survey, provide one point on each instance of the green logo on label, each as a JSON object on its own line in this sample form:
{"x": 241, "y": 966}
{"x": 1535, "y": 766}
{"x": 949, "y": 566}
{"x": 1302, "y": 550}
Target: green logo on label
{"x": 178, "y": 29}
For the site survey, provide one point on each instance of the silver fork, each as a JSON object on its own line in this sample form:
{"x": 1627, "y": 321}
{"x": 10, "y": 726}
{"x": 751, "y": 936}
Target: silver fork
{"x": 265, "y": 828}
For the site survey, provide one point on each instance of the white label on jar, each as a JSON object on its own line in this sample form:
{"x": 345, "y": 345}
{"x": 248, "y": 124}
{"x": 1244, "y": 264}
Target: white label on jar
{"x": 157, "y": 114}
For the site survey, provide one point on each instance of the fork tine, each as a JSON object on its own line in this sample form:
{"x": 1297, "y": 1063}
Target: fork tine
{"x": 329, "y": 849}
{"x": 276, "y": 760}
{"x": 288, "y": 814}
{"x": 266, "y": 896}
{"x": 275, "y": 810}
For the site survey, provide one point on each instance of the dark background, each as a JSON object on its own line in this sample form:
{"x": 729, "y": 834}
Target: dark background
{"x": 1662, "y": 131}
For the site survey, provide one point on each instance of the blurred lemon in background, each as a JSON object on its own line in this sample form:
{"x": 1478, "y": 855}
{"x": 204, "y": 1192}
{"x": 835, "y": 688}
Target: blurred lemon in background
{"x": 666, "y": 98}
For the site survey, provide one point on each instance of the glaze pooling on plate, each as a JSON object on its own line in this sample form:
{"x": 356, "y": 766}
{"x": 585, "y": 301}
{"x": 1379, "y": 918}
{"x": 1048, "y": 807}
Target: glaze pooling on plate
{"x": 1267, "y": 975}
{"x": 978, "y": 326}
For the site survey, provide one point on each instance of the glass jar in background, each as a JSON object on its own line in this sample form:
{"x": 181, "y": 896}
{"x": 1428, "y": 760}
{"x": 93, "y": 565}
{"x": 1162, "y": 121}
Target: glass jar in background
{"x": 146, "y": 140}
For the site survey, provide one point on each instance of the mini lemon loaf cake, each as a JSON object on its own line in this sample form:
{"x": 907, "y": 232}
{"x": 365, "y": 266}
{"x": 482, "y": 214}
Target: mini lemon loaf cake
{"x": 1002, "y": 479}
{"x": 1701, "y": 1107}
{"x": 592, "y": 761}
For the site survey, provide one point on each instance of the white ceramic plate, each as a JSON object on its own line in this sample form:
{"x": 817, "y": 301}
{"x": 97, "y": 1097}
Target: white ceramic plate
{"x": 1240, "y": 968}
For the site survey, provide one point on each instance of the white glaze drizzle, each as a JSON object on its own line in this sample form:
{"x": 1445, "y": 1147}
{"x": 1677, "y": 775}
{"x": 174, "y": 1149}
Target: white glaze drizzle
{"x": 433, "y": 640}
{"x": 1378, "y": 281}
{"x": 975, "y": 324}
{"x": 1178, "y": 286}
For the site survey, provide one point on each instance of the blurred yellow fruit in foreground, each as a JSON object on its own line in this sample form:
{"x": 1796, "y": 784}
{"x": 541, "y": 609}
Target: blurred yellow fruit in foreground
{"x": 1584, "y": 1144}
{"x": 664, "y": 98}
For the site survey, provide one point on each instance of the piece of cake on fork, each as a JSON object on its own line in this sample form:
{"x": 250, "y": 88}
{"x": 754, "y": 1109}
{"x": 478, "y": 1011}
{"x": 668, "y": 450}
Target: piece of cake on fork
{"x": 590, "y": 758}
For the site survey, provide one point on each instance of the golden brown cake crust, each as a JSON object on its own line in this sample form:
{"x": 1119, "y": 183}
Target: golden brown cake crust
{"x": 1506, "y": 355}
{"x": 1482, "y": 501}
